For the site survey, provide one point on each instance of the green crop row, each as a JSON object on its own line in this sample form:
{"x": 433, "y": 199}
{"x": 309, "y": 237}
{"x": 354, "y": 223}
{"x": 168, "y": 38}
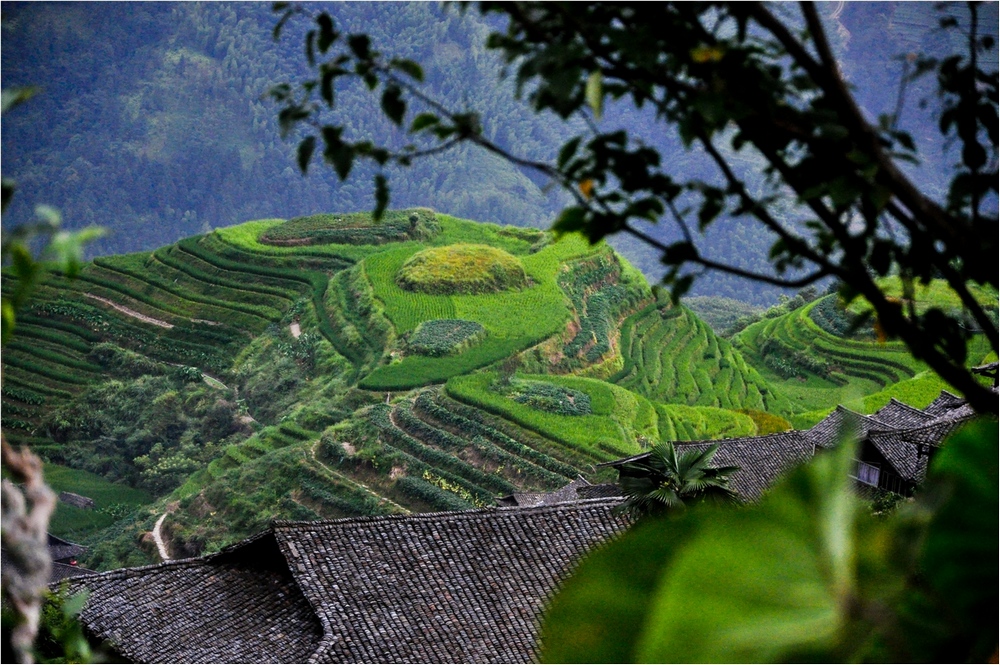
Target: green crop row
{"x": 14, "y": 384}
{"x": 164, "y": 347}
{"x": 15, "y": 423}
{"x": 435, "y": 497}
{"x": 213, "y": 291}
{"x": 142, "y": 267}
{"x": 296, "y": 432}
{"x": 45, "y": 323}
{"x": 573, "y": 457}
{"x": 177, "y": 300}
{"x": 42, "y": 368}
{"x": 432, "y": 444}
{"x": 399, "y": 454}
{"x": 513, "y": 467}
{"x": 446, "y": 418}
{"x": 354, "y": 503}
{"x": 221, "y": 256}
{"x": 53, "y": 336}
{"x": 52, "y": 356}
{"x": 182, "y": 260}
{"x": 586, "y": 432}
{"x": 12, "y": 409}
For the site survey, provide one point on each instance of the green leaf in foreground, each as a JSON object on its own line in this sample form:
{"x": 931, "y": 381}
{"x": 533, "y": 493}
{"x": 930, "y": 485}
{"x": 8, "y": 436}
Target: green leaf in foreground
{"x": 753, "y": 584}
{"x": 801, "y": 576}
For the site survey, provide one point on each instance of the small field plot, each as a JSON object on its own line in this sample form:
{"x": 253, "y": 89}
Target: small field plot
{"x": 616, "y": 416}
{"x": 358, "y": 228}
{"x": 112, "y": 501}
{"x": 512, "y": 320}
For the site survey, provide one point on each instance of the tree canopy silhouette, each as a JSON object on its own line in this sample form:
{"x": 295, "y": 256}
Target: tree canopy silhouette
{"x": 729, "y": 78}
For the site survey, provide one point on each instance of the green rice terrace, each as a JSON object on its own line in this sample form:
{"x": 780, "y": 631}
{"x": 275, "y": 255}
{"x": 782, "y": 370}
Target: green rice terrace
{"x": 329, "y": 366}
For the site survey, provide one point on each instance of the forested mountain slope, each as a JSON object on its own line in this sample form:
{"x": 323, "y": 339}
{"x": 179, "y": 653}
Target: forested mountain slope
{"x": 153, "y": 122}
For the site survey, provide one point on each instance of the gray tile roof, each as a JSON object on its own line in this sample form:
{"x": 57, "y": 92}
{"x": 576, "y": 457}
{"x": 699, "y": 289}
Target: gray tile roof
{"x": 568, "y": 492}
{"x": 576, "y": 490}
{"x": 898, "y": 415}
{"x": 842, "y": 422}
{"x": 761, "y": 459}
{"x": 908, "y": 450}
{"x": 210, "y": 610}
{"x": 943, "y": 403}
{"x": 60, "y": 549}
{"x": 464, "y": 586}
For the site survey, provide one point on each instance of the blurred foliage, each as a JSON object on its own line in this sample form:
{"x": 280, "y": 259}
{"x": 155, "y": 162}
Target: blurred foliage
{"x": 806, "y": 575}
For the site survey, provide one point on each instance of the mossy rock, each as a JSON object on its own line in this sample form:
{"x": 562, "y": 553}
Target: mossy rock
{"x": 462, "y": 269}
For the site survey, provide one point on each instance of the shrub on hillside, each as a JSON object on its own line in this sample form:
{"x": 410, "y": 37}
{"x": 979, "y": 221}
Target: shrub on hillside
{"x": 462, "y": 268}
{"x": 547, "y": 397}
{"x": 442, "y": 337}
{"x": 766, "y": 423}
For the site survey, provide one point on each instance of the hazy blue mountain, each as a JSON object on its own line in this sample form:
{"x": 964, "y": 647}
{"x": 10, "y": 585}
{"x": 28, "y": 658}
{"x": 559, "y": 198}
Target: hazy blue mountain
{"x": 151, "y": 120}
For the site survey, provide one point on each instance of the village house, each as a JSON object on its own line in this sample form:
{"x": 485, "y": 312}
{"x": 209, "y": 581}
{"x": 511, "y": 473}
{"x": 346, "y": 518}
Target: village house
{"x": 465, "y": 586}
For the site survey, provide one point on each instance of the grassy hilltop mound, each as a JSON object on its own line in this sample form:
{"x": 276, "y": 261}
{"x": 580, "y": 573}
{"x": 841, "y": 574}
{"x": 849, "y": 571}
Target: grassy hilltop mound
{"x": 468, "y": 269}
{"x": 279, "y": 369}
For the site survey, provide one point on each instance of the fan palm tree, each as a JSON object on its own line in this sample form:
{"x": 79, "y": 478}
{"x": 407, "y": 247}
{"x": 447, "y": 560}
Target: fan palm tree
{"x": 664, "y": 481}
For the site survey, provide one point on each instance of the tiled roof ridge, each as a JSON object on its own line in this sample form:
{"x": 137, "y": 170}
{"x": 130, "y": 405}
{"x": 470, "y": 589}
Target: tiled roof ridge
{"x": 937, "y": 423}
{"x": 733, "y": 439}
{"x": 306, "y": 525}
{"x": 896, "y": 402}
{"x": 269, "y": 531}
{"x": 120, "y": 573}
{"x": 757, "y": 438}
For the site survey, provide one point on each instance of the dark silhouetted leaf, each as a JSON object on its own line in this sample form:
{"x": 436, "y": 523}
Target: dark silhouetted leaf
{"x": 381, "y": 196}
{"x": 306, "y": 148}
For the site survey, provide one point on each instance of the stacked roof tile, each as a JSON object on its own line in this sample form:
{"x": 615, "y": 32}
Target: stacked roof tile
{"x": 901, "y": 434}
{"x": 574, "y": 491}
{"x": 231, "y": 607}
{"x": 464, "y": 586}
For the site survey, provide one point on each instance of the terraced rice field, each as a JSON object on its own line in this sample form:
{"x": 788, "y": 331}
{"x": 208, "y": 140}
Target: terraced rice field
{"x": 671, "y": 356}
{"x": 541, "y": 312}
{"x": 196, "y": 303}
{"x": 815, "y": 368}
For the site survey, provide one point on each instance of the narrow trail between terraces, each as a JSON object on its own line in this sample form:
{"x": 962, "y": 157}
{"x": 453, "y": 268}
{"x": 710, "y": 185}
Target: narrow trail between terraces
{"x": 130, "y": 312}
{"x": 158, "y": 538}
{"x": 336, "y": 474}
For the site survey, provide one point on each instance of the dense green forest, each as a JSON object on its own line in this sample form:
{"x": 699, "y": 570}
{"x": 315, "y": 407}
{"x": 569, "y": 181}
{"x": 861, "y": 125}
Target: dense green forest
{"x": 152, "y": 121}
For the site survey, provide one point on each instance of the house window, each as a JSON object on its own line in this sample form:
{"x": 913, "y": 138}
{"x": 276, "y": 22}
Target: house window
{"x": 866, "y": 473}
